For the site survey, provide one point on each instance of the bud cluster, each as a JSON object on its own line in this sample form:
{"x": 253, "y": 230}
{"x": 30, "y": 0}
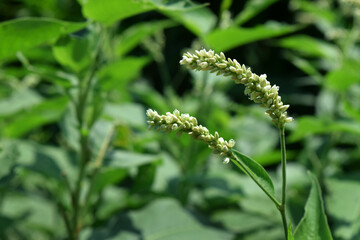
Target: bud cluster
{"x": 185, "y": 123}
{"x": 257, "y": 87}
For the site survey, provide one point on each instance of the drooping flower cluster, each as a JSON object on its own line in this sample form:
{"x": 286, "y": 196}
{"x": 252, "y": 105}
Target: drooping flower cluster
{"x": 256, "y": 87}
{"x": 185, "y": 123}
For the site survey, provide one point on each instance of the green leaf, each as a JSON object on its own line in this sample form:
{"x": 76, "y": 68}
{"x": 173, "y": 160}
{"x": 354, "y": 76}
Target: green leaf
{"x": 290, "y": 234}
{"x": 24, "y": 33}
{"x": 107, "y": 176}
{"x": 251, "y": 9}
{"x": 242, "y": 222}
{"x": 19, "y": 100}
{"x": 310, "y": 47}
{"x": 255, "y": 171}
{"x": 166, "y": 219}
{"x": 313, "y": 225}
{"x": 341, "y": 79}
{"x": 126, "y": 159}
{"x": 133, "y": 35}
{"x": 118, "y": 74}
{"x": 343, "y": 194}
{"x": 226, "y": 39}
{"x": 110, "y": 11}
{"x": 197, "y": 18}
{"x": 74, "y": 52}
{"x": 308, "y": 126}
{"x": 46, "y": 112}
{"x": 131, "y": 114}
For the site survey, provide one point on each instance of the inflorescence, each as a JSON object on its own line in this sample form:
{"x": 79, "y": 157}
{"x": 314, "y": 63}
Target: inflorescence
{"x": 175, "y": 121}
{"x": 256, "y": 87}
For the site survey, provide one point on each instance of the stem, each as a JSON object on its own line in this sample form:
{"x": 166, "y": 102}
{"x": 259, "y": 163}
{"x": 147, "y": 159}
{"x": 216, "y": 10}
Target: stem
{"x": 84, "y": 90}
{"x": 282, "y": 207}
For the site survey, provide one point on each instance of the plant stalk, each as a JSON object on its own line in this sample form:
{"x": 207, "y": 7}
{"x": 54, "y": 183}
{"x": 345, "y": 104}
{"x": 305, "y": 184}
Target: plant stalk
{"x": 282, "y": 207}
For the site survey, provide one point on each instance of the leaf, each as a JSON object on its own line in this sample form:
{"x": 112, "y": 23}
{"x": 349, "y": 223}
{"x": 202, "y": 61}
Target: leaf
{"x": 46, "y": 112}
{"x": 166, "y": 219}
{"x": 308, "y": 126}
{"x": 110, "y": 11}
{"x": 131, "y": 114}
{"x": 313, "y": 225}
{"x": 19, "y": 100}
{"x": 49, "y": 161}
{"x": 35, "y": 216}
{"x": 226, "y": 39}
{"x": 242, "y": 222}
{"x": 290, "y": 234}
{"x": 341, "y": 79}
{"x": 310, "y": 47}
{"x": 251, "y": 9}
{"x": 133, "y": 35}
{"x": 255, "y": 171}
{"x": 118, "y": 74}
{"x": 24, "y": 33}
{"x": 342, "y": 198}
{"x": 126, "y": 159}
{"x": 197, "y": 18}
{"x": 74, "y": 52}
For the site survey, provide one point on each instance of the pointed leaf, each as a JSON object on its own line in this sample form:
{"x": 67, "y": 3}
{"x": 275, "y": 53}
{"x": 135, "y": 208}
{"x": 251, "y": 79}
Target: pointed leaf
{"x": 236, "y": 36}
{"x": 255, "y": 171}
{"x": 313, "y": 225}
{"x": 251, "y": 9}
{"x": 24, "y": 33}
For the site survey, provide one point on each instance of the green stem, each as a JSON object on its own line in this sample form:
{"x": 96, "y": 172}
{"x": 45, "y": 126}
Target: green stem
{"x": 83, "y": 95}
{"x": 282, "y": 207}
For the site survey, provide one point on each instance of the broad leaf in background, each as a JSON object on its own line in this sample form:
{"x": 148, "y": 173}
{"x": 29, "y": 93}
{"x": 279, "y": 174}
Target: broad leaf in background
{"x": 74, "y": 52}
{"x": 310, "y": 47}
{"x": 133, "y": 35}
{"x": 24, "y": 33}
{"x": 313, "y": 225}
{"x": 197, "y": 18}
{"x": 342, "y": 202}
{"x": 308, "y": 126}
{"x": 236, "y": 36}
{"x": 110, "y": 11}
{"x": 341, "y": 79}
{"x": 166, "y": 219}
{"x": 251, "y": 9}
{"x": 21, "y": 99}
{"x": 127, "y": 159}
{"x": 46, "y": 112}
{"x": 129, "y": 114}
{"x": 119, "y": 73}
{"x": 255, "y": 171}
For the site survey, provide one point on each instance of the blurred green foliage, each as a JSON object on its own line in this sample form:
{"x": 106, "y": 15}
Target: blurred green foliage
{"x": 123, "y": 57}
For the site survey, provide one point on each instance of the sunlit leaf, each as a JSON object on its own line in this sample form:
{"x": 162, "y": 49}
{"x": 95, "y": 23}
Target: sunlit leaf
{"x": 24, "y": 33}
{"x": 341, "y": 79}
{"x": 255, "y": 171}
{"x": 309, "y": 46}
{"x": 118, "y": 74}
{"x": 226, "y": 39}
{"x": 46, "y": 112}
{"x": 341, "y": 200}
{"x": 127, "y": 159}
{"x": 19, "y": 100}
{"x": 133, "y": 35}
{"x": 166, "y": 219}
{"x": 314, "y": 225}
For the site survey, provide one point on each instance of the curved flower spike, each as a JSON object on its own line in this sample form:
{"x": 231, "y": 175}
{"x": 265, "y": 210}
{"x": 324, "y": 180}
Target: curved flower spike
{"x": 257, "y": 87}
{"x": 185, "y": 123}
